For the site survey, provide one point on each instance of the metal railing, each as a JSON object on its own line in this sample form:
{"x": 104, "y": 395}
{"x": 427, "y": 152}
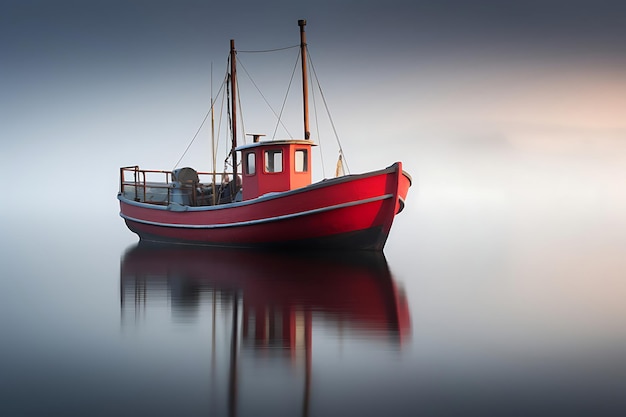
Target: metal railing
{"x": 141, "y": 180}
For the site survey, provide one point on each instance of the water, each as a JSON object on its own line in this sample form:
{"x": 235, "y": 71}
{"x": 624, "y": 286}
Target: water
{"x": 501, "y": 292}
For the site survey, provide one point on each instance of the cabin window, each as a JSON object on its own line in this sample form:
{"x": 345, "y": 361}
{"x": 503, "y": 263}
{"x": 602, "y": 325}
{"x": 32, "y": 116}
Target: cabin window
{"x": 302, "y": 161}
{"x": 274, "y": 161}
{"x": 250, "y": 163}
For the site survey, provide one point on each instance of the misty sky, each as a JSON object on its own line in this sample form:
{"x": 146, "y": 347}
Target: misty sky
{"x": 53, "y": 49}
{"x": 97, "y": 83}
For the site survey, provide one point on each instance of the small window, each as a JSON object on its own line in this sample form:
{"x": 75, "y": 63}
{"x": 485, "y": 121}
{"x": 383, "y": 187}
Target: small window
{"x": 250, "y": 163}
{"x": 302, "y": 161}
{"x": 273, "y": 161}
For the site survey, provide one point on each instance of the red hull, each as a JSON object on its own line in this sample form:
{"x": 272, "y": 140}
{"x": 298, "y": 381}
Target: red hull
{"x": 351, "y": 212}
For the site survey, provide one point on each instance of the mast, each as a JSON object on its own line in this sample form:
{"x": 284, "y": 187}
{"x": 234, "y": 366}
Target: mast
{"x": 305, "y": 89}
{"x": 213, "y": 155}
{"x": 233, "y": 101}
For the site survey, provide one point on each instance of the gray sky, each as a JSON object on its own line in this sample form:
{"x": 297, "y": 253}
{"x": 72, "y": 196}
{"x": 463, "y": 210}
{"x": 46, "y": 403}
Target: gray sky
{"x": 89, "y": 78}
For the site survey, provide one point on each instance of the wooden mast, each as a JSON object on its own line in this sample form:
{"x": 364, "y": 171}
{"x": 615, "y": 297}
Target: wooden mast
{"x": 305, "y": 89}
{"x": 233, "y": 110}
{"x": 213, "y": 154}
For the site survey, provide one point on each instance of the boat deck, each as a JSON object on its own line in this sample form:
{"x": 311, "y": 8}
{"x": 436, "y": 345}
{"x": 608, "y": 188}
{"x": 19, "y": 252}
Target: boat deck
{"x": 140, "y": 185}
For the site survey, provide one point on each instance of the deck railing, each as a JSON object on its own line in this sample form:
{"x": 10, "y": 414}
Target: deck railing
{"x": 141, "y": 181}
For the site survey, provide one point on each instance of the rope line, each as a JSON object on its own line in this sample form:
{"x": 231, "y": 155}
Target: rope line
{"x": 328, "y": 112}
{"x": 219, "y": 128}
{"x": 225, "y": 92}
{"x": 242, "y": 128}
{"x": 263, "y": 96}
{"x": 317, "y": 130}
{"x": 206, "y": 116}
{"x": 268, "y": 50}
{"x": 285, "y": 101}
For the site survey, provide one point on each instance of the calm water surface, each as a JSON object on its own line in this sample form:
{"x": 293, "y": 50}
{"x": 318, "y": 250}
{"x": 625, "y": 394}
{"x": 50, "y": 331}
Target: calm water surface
{"x": 486, "y": 302}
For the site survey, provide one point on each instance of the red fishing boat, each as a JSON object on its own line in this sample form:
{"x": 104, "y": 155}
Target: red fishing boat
{"x": 272, "y": 202}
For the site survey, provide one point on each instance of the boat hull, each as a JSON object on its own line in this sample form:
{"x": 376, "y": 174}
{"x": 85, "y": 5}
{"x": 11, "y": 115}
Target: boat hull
{"x": 352, "y": 212}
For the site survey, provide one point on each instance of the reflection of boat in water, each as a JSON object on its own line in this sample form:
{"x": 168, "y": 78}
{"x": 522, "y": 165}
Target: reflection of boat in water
{"x": 272, "y": 302}
{"x": 355, "y": 290}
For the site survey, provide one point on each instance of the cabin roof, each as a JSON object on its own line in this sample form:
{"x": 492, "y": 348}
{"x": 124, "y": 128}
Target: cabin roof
{"x": 276, "y": 142}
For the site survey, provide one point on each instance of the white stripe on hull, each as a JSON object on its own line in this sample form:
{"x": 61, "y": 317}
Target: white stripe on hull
{"x": 259, "y": 221}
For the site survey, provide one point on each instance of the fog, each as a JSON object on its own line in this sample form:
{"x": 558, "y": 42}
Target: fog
{"x": 509, "y": 118}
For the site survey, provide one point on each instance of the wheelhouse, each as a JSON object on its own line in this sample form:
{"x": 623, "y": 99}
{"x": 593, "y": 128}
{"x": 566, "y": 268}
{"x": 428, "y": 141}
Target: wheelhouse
{"x": 275, "y": 166}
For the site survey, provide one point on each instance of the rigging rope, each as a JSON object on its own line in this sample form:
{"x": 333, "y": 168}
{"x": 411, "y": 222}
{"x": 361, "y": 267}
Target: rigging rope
{"x": 242, "y": 129}
{"x": 226, "y": 96}
{"x": 230, "y": 121}
{"x": 264, "y": 98}
{"x": 285, "y": 101}
{"x": 206, "y": 116}
{"x": 229, "y": 115}
{"x": 328, "y": 112}
{"x": 219, "y": 127}
{"x": 317, "y": 129}
{"x": 268, "y": 50}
